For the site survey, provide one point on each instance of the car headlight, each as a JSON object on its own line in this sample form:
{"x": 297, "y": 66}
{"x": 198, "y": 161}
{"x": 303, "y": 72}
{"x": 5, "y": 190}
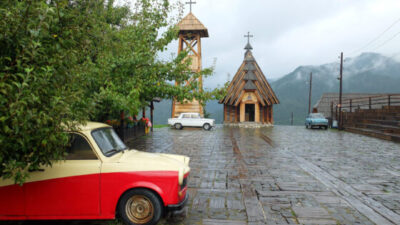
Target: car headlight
{"x": 180, "y": 176}
{"x": 184, "y": 183}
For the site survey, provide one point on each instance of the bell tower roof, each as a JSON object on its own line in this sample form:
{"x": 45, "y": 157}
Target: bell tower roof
{"x": 190, "y": 24}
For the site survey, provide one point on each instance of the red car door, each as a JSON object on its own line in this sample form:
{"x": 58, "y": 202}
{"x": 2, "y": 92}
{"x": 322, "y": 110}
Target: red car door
{"x": 69, "y": 188}
{"x": 12, "y": 199}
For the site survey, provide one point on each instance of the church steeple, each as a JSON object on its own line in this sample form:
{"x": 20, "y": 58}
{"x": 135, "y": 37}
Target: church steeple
{"x": 248, "y": 46}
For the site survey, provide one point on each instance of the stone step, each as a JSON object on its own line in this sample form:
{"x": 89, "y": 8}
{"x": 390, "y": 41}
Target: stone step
{"x": 383, "y": 122}
{"x": 397, "y": 107}
{"x": 374, "y": 133}
{"x": 374, "y": 115}
{"x": 380, "y": 127}
{"x": 360, "y": 118}
{"x": 368, "y": 111}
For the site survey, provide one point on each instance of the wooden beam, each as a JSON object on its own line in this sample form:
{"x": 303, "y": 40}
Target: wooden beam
{"x": 272, "y": 117}
{"x": 199, "y": 64}
{"x": 262, "y": 114}
{"x": 242, "y": 111}
{"x": 232, "y": 100}
{"x": 270, "y": 92}
{"x": 239, "y": 99}
{"x": 191, "y": 48}
{"x": 173, "y": 109}
{"x": 224, "y": 113}
{"x": 259, "y": 99}
{"x": 237, "y": 114}
{"x": 235, "y": 85}
{"x": 256, "y": 112}
{"x": 264, "y": 93}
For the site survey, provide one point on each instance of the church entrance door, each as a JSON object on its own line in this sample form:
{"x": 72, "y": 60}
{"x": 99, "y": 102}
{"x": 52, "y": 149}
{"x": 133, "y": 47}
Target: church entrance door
{"x": 249, "y": 112}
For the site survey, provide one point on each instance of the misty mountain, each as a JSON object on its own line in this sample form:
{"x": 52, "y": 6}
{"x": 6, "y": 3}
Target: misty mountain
{"x": 367, "y": 73}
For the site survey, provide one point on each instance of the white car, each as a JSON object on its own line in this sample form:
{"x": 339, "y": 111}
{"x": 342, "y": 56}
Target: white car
{"x": 191, "y": 120}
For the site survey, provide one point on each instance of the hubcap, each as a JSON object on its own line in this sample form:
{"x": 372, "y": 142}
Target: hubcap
{"x": 139, "y": 209}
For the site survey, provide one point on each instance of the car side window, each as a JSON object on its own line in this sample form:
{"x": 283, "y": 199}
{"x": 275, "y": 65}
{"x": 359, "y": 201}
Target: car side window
{"x": 79, "y": 148}
{"x": 186, "y": 115}
{"x": 195, "y": 116}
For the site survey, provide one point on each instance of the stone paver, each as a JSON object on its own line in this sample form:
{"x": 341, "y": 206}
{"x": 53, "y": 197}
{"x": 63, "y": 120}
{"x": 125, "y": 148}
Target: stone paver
{"x": 283, "y": 175}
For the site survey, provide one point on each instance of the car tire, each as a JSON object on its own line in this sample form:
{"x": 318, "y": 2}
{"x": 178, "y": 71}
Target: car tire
{"x": 178, "y": 126}
{"x": 325, "y": 127}
{"x": 206, "y": 126}
{"x": 140, "y": 207}
{"x": 307, "y": 127}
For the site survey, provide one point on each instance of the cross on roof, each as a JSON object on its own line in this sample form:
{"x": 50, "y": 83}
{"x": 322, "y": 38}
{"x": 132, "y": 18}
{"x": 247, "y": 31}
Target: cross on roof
{"x": 190, "y": 3}
{"x": 248, "y": 37}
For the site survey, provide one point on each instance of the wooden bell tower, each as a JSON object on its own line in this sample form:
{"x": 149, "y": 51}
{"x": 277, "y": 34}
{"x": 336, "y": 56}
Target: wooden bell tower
{"x": 191, "y": 30}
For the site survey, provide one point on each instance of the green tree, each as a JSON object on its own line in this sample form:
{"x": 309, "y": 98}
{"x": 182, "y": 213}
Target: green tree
{"x": 138, "y": 74}
{"x": 44, "y": 46}
{"x": 64, "y": 61}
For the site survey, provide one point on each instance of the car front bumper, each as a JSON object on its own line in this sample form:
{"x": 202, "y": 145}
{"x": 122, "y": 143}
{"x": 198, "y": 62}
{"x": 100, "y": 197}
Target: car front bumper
{"x": 319, "y": 124}
{"x": 178, "y": 208}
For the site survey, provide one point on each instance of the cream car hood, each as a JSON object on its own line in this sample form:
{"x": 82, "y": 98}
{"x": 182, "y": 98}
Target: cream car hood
{"x": 144, "y": 161}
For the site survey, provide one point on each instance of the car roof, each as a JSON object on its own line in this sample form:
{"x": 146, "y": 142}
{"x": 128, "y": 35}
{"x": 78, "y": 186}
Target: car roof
{"x": 92, "y": 126}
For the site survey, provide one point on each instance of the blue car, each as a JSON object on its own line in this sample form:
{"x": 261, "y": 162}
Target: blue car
{"x": 316, "y": 120}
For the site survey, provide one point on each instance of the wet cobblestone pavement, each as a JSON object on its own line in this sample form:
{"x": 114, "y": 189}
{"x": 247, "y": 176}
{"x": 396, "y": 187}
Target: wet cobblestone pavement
{"x": 281, "y": 175}
{"x": 284, "y": 175}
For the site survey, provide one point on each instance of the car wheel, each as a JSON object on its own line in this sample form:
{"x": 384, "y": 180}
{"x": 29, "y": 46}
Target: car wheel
{"x": 206, "y": 126}
{"x": 325, "y": 127}
{"x": 307, "y": 126}
{"x": 178, "y": 126}
{"x": 140, "y": 206}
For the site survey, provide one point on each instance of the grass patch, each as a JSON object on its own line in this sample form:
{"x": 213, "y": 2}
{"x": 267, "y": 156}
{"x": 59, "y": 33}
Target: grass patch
{"x": 160, "y": 125}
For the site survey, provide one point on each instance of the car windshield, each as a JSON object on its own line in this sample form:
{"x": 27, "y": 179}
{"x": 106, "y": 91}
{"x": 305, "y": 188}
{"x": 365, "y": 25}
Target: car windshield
{"x": 317, "y": 116}
{"x": 108, "y": 141}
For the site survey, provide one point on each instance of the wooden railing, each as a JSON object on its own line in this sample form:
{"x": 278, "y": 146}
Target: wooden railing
{"x": 351, "y": 107}
{"x": 362, "y": 103}
{"x": 372, "y": 102}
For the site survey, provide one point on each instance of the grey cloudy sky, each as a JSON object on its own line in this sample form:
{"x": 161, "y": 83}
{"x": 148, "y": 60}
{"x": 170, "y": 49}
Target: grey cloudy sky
{"x": 290, "y": 33}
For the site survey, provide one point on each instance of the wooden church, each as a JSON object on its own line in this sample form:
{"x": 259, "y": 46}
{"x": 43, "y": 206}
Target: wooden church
{"x": 249, "y": 98}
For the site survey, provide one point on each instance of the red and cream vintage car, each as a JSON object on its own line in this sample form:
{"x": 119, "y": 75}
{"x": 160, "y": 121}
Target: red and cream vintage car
{"x": 100, "y": 179}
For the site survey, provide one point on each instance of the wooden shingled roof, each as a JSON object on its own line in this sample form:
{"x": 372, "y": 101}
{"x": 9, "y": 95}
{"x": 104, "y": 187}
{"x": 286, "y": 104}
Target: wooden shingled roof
{"x": 249, "y": 77}
{"x": 191, "y": 24}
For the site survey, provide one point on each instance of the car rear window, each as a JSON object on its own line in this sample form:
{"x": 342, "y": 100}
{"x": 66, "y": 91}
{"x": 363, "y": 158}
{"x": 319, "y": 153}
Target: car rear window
{"x": 195, "y": 116}
{"x": 317, "y": 115}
